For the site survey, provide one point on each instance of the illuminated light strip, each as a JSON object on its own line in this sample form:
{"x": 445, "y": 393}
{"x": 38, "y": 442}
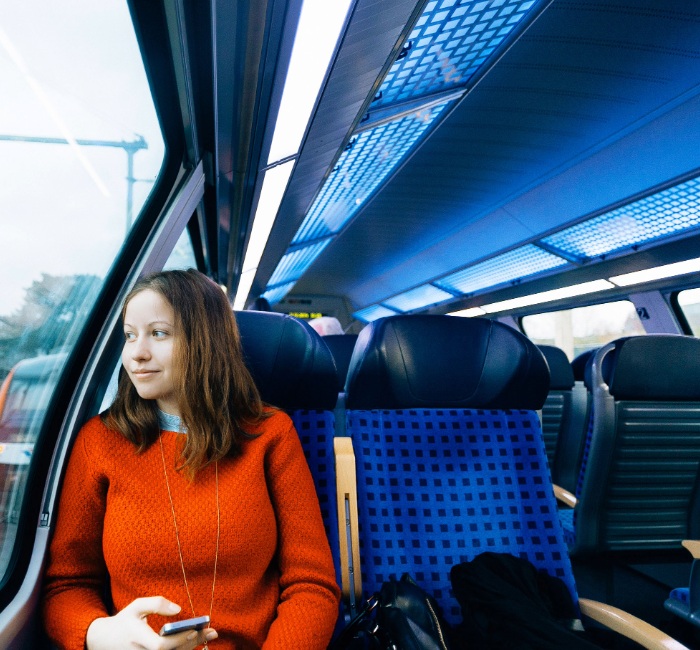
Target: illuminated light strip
{"x": 369, "y": 158}
{"x": 320, "y": 24}
{"x": 449, "y": 43}
{"x": 293, "y": 264}
{"x": 354, "y": 179}
{"x": 468, "y": 313}
{"x": 657, "y": 273}
{"x": 516, "y": 264}
{"x": 421, "y": 296}
{"x": 276, "y": 294}
{"x": 549, "y": 296}
{"x": 375, "y": 312}
{"x": 53, "y": 114}
{"x": 273, "y": 187}
{"x": 651, "y": 219}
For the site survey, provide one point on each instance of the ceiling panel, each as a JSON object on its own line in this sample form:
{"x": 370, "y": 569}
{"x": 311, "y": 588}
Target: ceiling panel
{"x": 605, "y": 71}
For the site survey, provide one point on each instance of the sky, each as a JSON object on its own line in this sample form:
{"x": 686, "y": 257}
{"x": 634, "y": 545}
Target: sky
{"x": 68, "y": 69}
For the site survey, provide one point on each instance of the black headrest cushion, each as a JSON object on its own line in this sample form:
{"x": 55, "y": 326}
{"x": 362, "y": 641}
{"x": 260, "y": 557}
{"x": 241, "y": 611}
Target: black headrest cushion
{"x": 291, "y": 365}
{"x": 656, "y": 367}
{"x": 561, "y": 376}
{"x": 427, "y": 361}
{"x": 578, "y": 365}
{"x": 341, "y": 347}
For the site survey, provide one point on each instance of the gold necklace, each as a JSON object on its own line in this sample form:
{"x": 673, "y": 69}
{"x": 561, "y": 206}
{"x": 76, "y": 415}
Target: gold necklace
{"x": 177, "y": 535}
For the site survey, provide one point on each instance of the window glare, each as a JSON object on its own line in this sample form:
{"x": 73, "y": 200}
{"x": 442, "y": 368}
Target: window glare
{"x": 182, "y": 256}
{"x": 76, "y": 110}
{"x": 689, "y": 302}
{"x": 583, "y": 328}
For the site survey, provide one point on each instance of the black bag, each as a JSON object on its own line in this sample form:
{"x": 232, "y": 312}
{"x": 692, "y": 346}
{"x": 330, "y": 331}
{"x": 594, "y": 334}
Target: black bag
{"x": 507, "y": 604}
{"x": 400, "y": 617}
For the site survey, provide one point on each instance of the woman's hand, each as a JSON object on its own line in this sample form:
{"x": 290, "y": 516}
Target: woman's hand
{"x": 129, "y": 629}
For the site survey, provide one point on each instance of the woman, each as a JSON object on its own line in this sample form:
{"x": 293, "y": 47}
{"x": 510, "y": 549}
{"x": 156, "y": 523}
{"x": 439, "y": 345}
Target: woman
{"x": 188, "y": 497}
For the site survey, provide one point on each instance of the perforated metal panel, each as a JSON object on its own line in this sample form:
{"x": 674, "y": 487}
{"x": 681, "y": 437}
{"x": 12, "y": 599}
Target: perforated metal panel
{"x": 295, "y": 262}
{"x": 365, "y": 163}
{"x": 277, "y": 293}
{"x": 369, "y": 314}
{"x": 660, "y": 215}
{"x": 418, "y": 297}
{"x": 449, "y": 43}
{"x": 519, "y": 263}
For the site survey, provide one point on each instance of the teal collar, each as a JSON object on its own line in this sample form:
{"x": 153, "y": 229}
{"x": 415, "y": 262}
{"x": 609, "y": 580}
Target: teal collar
{"x": 168, "y": 422}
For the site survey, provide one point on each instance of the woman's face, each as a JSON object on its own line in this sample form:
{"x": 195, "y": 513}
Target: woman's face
{"x": 149, "y": 332}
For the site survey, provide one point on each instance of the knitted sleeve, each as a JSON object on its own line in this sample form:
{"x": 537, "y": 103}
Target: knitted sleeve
{"x": 309, "y": 595}
{"x": 75, "y": 577}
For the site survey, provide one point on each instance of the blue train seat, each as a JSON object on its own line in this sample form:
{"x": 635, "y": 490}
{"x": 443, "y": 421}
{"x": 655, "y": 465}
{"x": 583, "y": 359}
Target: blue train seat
{"x": 294, "y": 370}
{"x": 450, "y": 456}
{"x": 451, "y": 460}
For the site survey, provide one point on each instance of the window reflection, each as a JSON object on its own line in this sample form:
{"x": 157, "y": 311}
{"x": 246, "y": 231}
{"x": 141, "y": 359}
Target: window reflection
{"x": 80, "y": 148}
{"x": 689, "y": 302}
{"x": 583, "y": 328}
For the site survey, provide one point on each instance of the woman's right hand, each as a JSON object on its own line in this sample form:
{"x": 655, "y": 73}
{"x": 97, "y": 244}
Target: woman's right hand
{"x": 129, "y": 629}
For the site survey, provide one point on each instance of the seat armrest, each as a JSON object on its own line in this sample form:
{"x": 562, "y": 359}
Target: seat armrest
{"x": 346, "y": 493}
{"x": 565, "y": 497}
{"x": 629, "y": 626}
{"x": 693, "y": 546}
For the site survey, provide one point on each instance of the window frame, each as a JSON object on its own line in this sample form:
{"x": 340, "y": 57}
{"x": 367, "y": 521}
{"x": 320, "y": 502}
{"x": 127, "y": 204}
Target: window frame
{"x": 173, "y": 200}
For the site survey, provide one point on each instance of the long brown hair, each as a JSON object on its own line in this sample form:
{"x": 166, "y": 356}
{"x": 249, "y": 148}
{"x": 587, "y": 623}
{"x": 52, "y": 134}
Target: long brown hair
{"x": 217, "y": 397}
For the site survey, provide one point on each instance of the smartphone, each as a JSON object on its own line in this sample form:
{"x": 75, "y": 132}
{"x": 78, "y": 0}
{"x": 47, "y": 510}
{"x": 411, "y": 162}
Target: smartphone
{"x": 198, "y": 623}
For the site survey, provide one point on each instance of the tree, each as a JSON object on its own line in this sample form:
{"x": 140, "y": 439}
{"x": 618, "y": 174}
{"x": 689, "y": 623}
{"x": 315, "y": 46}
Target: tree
{"x": 46, "y": 321}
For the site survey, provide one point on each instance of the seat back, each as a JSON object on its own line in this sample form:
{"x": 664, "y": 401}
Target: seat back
{"x": 564, "y": 419}
{"x": 557, "y": 406}
{"x": 450, "y": 455}
{"x": 578, "y": 365}
{"x": 643, "y": 449}
{"x": 341, "y": 347}
{"x": 294, "y": 370}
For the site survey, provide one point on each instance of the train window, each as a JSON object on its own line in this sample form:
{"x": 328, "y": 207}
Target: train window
{"x": 182, "y": 256}
{"x": 80, "y": 149}
{"x": 583, "y": 328}
{"x": 689, "y": 302}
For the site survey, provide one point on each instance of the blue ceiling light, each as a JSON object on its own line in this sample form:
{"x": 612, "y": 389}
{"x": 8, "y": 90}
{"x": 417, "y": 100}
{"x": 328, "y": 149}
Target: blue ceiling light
{"x": 369, "y": 314}
{"x": 449, "y": 43}
{"x": 669, "y": 212}
{"x": 295, "y": 262}
{"x": 514, "y": 265}
{"x": 276, "y": 294}
{"x": 417, "y": 298}
{"x": 365, "y": 163}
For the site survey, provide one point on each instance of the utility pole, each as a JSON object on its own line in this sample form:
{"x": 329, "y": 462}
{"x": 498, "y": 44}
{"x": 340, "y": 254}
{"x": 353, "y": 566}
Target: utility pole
{"x": 129, "y": 147}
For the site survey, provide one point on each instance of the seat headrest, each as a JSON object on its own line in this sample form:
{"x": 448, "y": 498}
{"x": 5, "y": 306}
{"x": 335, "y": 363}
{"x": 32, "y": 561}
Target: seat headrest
{"x": 341, "y": 347}
{"x": 578, "y": 365}
{"x": 427, "y": 361}
{"x": 606, "y": 367}
{"x": 655, "y": 367}
{"x": 561, "y": 375}
{"x": 291, "y": 365}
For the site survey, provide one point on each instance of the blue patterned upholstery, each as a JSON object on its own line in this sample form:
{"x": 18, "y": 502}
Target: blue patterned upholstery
{"x": 316, "y": 431}
{"x": 450, "y": 455}
{"x": 442, "y": 486}
{"x": 682, "y": 595}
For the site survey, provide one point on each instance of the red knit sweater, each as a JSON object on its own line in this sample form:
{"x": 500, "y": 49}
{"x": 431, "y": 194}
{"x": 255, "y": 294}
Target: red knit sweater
{"x": 275, "y": 583}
